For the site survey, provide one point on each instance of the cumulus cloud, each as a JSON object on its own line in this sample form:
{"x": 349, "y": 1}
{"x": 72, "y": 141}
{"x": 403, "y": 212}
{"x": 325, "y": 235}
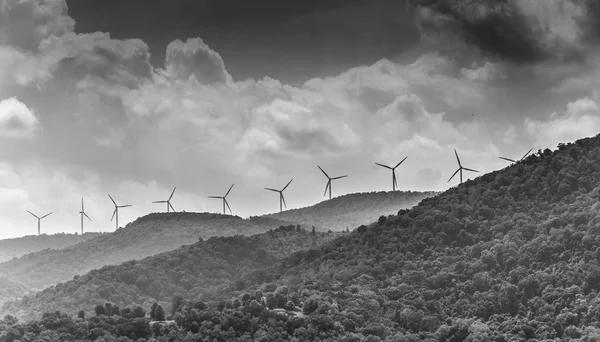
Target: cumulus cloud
{"x": 16, "y": 119}
{"x": 581, "y": 119}
{"x": 194, "y": 57}
{"x": 25, "y": 23}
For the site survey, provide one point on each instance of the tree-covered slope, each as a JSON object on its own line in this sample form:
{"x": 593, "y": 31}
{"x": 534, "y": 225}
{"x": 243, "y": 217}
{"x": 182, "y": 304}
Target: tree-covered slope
{"x": 192, "y": 271}
{"x": 352, "y": 210}
{"x": 14, "y": 248}
{"x": 146, "y": 236}
{"x": 511, "y": 255}
{"x": 10, "y": 290}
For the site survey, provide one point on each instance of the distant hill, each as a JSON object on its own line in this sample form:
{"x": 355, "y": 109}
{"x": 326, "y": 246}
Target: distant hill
{"x": 149, "y": 235}
{"x": 10, "y": 290}
{"x": 191, "y": 271}
{"x": 14, "y": 248}
{"x": 353, "y": 210}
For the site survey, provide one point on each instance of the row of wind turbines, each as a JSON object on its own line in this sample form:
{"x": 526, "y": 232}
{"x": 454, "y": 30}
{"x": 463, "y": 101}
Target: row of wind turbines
{"x": 115, "y": 215}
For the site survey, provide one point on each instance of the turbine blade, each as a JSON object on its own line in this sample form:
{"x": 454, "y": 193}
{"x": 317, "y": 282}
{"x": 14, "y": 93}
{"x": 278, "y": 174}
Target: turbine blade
{"x": 283, "y": 199}
{"x": 172, "y": 194}
{"x": 159, "y": 202}
{"x": 227, "y": 203}
{"x": 171, "y": 206}
{"x": 327, "y": 187}
{"x": 87, "y": 216}
{"x": 125, "y": 206}
{"x": 508, "y": 159}
{"x": 113, "y": 216}
{"x": 229, "y": 190}
{"x": 325, "y": 173}
{"x": 339, "y": 177}
{"x": 115, "y": 203}
{"x": 271, "y": 189}
{"x": 285, "y": 187}
{"x": 82, "y": 204}
{"x": 215, "y": 196}
{"x": 400, "y": 162}
{"x": 458, "y": 159}
{"x": 464, "y": 168}
{"x": 453, "y": 175}
{"x": 34, "y": 215}
{"x": 526, "y": 154}
{"x": 45, "y": 215}
{"x": 387, "y": 167}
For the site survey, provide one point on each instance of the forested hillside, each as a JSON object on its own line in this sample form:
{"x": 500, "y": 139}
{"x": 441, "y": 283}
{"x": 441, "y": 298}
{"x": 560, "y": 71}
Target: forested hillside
{"x": 352, "y": 210}
{"x": 194, "y": 271}
{"x": 146, "y": 236}
{"x": 10, "y": 290}
{"x": 14, "y": 248}
{"x": 512, "y": 255}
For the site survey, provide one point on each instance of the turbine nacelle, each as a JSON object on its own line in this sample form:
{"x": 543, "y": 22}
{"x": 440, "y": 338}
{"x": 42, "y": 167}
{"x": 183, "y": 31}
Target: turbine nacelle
{"x": 394, "y": 181}
{"x": 168, "y": 202}
{"x": 224, "y": 198}
{"x": 516, "y": 161}
{"x": 460, "y": 169}
{"x": 329, "y": 179}
{"x": 281, "y": 198}
{"x": 39, "y": 219}
{"x": 116, "y": 212}
{"x": 82, "y": 213}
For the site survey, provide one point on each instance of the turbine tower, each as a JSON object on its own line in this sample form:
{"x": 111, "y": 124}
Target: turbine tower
{"x": 224, "y": 198}
{"x": 460, "y": 169}
{"x": 515, "y": 161}
{"x": 394, "y": 183}
{"x": 329, "y": 181}
{"x": 281, "y": 199}
{"x": 38, "y": 218}
{"x": 82, "y": 214}
{"x": 116, "y": 212}
{"x": 168, "y": 201}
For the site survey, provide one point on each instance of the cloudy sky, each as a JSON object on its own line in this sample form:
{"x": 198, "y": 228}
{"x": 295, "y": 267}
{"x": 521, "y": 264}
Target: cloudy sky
{"x": 136, "y": 97}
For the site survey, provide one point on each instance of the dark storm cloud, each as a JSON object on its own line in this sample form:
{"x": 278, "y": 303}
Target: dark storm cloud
{"x": 209, "y": 12}
{"x": 498, "y": 28}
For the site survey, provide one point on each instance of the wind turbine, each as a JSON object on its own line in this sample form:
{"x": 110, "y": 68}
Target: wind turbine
{"x": 329, "y": 181}
{"x": 394, "y": 183}
{"x": 281, "y": 199}
{"x": 116, "y": 212}
{"x": 38, "y": 218}
{"x": 82, "y": 213}
{"x": 515, "y": 161}
{"x": 460, "y": 169}
{"x": 224, "y": 198}
{"x": 168, "y": 201}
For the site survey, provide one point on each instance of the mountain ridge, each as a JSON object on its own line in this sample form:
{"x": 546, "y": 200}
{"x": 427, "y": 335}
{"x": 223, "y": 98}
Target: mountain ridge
{"x": 17, "y": 247}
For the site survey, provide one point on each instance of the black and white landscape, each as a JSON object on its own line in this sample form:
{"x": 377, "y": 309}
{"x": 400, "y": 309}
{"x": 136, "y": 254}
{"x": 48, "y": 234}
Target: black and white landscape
{"x": 219, "y": 170}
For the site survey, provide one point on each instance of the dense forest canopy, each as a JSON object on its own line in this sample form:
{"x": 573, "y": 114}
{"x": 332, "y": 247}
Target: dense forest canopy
{"x": 193, "y": 272}
{"x": 146, "y": 236}
{"x": 512, "y": 255}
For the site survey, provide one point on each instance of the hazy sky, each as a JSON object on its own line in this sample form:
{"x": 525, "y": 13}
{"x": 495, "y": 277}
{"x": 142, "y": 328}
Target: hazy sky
{"x": 135, "y": 97}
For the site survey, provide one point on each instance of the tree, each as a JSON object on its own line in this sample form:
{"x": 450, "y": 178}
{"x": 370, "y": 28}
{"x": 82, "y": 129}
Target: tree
{"x": 159, "y": 313}
{"x": 177, "y": 303}
{"x": 153, "y": 310}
